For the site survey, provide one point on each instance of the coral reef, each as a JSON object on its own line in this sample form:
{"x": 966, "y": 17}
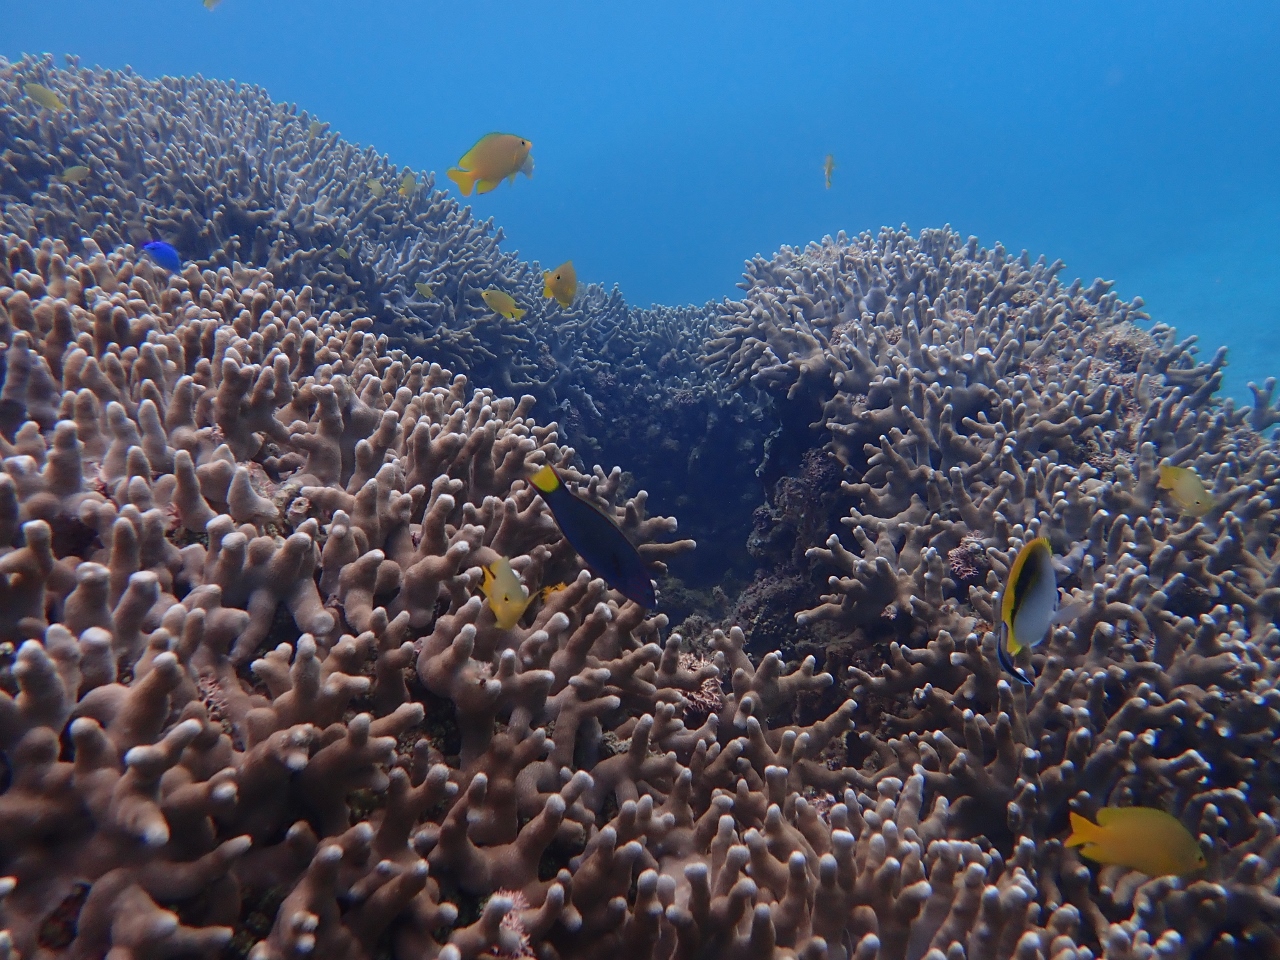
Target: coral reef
{"x": 252, "y": 704}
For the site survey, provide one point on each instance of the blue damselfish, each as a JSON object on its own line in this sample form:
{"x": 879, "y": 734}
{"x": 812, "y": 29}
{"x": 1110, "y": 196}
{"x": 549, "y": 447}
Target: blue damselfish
{"x": 593, "y": 533}
{"x": 164, "y": 255}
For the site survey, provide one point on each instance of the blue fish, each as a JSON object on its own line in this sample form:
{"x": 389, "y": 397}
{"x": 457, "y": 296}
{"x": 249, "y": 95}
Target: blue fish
{"x": 164, "y": 255}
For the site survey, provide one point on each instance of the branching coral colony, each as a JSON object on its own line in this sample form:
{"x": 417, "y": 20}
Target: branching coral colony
{"x": 253, "y": 704}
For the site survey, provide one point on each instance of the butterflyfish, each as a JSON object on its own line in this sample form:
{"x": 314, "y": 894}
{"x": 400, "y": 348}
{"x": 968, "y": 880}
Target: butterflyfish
{"x": 164, "y": 255}
{"x": 828, "y": 165}
{"x": 408, "y": 184}
{"x": 494, "y": 157}
{"x": 1188, "y": 490}
{"x": 1029, "y": 604}
{"x": 74, "y": 174}
{"x": 506, "y": 595}
{"x": 1140, "y": 838}
{"x": 502, "y": 304}
{"x": 561, "y": 283}
{"x": 603, "y": 546}
{"x": 424, "y": 290}
{"x": 375, "y": 187}
{"x": 45, "y": 97}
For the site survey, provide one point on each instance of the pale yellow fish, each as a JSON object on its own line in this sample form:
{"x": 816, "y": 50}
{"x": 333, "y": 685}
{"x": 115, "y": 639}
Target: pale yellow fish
{"x": 561, "y": 283}
{"x": 408, "y": 184}
{"x": 502, "y": 304}
{"x": 313, "y": 131}
{"x": 342, "y": 252}
{"x": 375, "y": 187}
{"x": 828, "y": 165}
{"x": 210, "y": 4}
{"x": 1188, "y": 490}
{"x": 74, "y": 174}
{"x": 45, "y": 97}
{"x": 1140, "y": 838}
{"x": 506, "y": 595}
{"x": 424, "y": 290}
{"x": 494, "y": 157}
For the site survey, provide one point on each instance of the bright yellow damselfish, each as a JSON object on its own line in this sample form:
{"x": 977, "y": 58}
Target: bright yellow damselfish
{"x": 408, "y": 184}
{"x": 45, "y": 97}
{"x": 1188, "y": 490}
{"x": 375, "y": 187}
{"x": 1140, "y": 838}
{"x": 74, "y": 174}
{"x": 506, "y": 595}
{"x": 502, "y": 304}
{"x": 424, "y": 290}
{"x": 495, "y": 157}
{"x": 561, "y": 283}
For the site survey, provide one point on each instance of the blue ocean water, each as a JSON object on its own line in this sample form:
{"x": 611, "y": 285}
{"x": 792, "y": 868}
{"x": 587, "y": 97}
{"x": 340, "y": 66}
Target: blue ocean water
{"x": 1136, "y": 141}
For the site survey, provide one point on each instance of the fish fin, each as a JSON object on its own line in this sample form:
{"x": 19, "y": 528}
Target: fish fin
{"x": 465, "y": 179}
{"x": 1082, "y": 831}
{"x": 546, "y": 284}
{"x": 526, "y": 168}
{"x": 517, "y": 313}
{"x": 485, "y": 186}
{"x": 565, "y": 303}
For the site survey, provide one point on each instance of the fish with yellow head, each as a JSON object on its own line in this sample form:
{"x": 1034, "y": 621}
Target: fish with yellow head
{"x": 494, "y": 158}
{"x": 1029, "y": 604}
{"x": 506, "y": 595}
{"x": 1140, "y": 838}
{"x": 45, "y": 97}
{"x": 502, "y": 304}
{"x": 1188, "y": 490}
{"x": 561, "y": 283}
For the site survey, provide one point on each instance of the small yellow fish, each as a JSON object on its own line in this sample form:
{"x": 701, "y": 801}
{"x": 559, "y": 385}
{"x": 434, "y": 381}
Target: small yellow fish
{"x": 210, "y": 4}
{"x": 375, "y": 187}
{"x": 828, "y": 165}
{"x": 313, "y": 131}
{"x": 45, "y": 97}
{"x": 74, "y": 174}
{"x": 506, "y": 595}
{"x": 424, "y": 290}
{"x": 1140, "y": 838}
{"x": 342, "y": 252}
{"x": 1188, "y": 490}
{"x": 502, "y": 304}
{"x": 408, "y": 184}
{"x": 561, "y": 283}
{"x": 494, "y": 157}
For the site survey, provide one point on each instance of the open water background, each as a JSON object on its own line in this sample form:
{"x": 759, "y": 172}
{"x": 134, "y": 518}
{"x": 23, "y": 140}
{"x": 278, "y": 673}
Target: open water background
{"x": 1138, "y": 141}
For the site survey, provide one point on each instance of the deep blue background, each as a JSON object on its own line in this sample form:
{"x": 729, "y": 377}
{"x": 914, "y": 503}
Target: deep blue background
{"x": 1137, "y": 141}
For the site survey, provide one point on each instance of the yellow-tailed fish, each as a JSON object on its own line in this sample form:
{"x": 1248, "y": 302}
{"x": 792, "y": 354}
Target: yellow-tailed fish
{"x": 1140, "y": 838}
{"x": 44, "y": 96}
{"x": 561, "y": 283}
{"x": 74, "y": 174}
{"x": 375, "y": 187}
{"x": 1029, "y": 604}
{"x": 506, "y": 595}
{"x": 408, "y": 184}
{"x": 828, "y": 165}
{"x": 313, "y": 131}
{"x": 494, "y": 157}
{"x": 342, "y": 252}
{"x": 424, "y": 290}
{"x": 598, "y": 539}
{"x": 1188, "y": 490}
{"x": 502, "y": 304}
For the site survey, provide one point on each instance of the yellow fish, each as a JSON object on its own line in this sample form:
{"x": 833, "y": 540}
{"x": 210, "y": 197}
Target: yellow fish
{"x": 74, "y": 174}
{"x": 494, "y": 157}
{"x": 424, "y": 290}
{"x": 210, "y": 4}
{"x": 408, "y": 184}
{"x": 1140, "y": 838}
{"x": 45, "y": 97}
{"x": 828, "y": 165}
{"x": 1188, "y": 490}
{"x": 506, "y": 595}
{"x": 313, "y": 131}
{"x": 502, "y": 304}
{"x": 562, "y": 283}
{"x": 342, "y": 252}
{"x": 1029, "y": 604}
{"x": 375, "y": 187}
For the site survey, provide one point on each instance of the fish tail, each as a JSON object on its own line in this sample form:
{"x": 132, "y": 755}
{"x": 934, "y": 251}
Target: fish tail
{"x": 1083, "y": 831}
{"x": 465, "y": 179}
{"x": 1002, "y": 652}
{"x": 517, "y": 313}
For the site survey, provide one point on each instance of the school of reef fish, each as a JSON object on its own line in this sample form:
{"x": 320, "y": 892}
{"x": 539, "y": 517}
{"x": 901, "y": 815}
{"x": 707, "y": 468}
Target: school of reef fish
{"x": 327, "y": 626}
